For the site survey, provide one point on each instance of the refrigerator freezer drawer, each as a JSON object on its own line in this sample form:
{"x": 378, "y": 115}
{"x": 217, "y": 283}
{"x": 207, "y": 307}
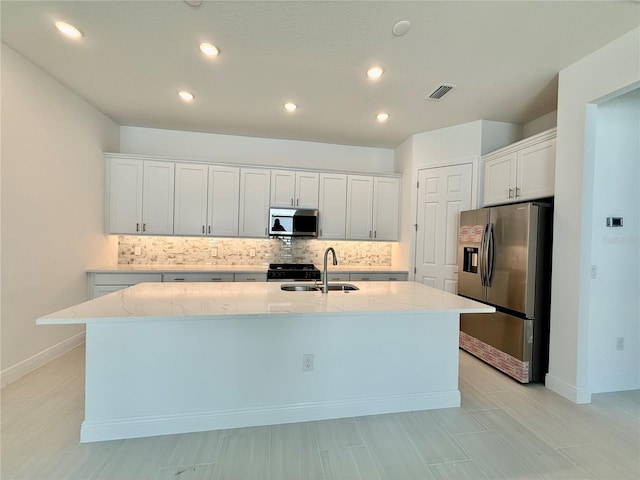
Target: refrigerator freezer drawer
{"x": 507, "y": 333}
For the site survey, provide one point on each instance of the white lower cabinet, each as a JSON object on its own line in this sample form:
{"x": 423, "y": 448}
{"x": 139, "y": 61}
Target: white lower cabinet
{"x": 197, "y": 277}
{"x": 104, "y": 283}
{"x": 338, "y": 277}
{"x": 379, "y": 277}
{"x": 250, "y": 277}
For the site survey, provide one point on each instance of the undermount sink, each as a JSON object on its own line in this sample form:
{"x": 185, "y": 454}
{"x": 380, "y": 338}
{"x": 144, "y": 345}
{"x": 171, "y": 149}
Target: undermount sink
{"x": 333, "y": 287}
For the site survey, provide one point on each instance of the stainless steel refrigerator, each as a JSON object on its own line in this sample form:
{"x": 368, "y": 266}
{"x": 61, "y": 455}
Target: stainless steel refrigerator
{"x": 504, "y": 259}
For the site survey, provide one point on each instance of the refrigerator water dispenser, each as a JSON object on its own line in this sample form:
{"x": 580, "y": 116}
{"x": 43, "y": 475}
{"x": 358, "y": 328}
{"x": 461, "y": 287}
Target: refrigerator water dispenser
{"x": 470, "y": 260}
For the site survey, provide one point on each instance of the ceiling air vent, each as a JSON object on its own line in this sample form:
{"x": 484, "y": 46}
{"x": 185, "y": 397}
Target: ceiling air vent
{"x": 440, "y": 91}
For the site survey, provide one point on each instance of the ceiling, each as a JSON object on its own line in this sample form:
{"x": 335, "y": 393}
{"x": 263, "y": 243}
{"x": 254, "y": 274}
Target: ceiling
{"x": 135, "y": 56}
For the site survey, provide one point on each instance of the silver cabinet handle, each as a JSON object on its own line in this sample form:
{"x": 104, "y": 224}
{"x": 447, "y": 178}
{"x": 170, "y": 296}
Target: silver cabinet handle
{"x": 249, "y": 279}
{"x": 369, "y": 233}
{"x": 202, "y": 228}
{"x": 144, "y": 227}
{"x": 209, "y": 229}
{"x": 517, "y": 192}
{"x": 375, "y": 234}
{"x": 216, "y": 279}
{"x": 137, "y": 227}
{"x": 511, "y": 193}
{"x": 178, "y": 279}
{"x": 297, "y": 202}
{"x": 292, "y": 201}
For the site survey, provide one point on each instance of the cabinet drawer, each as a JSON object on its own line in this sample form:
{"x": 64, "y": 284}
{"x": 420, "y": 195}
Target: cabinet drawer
{"x": 125, "y": 278}
{"x": 378, "y": 277}
{"x": 338, "y": 277}
{"x": 251, "y": 277}
{"x": 197, "y": 277}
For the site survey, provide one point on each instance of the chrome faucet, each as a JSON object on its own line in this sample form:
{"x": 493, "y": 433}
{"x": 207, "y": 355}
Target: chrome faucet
{"x": 325, "y": 284}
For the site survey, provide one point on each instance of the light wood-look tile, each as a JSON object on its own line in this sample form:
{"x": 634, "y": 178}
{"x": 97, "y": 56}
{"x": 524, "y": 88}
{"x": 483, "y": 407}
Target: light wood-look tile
{"x": 339, "y": 433}
{"x": 294, "y": 452}
{"x": 243, "y": 457}
{"x": 466, "y": 470}
{"x": 430, "y": 439}
{"x": 194, "y": 472}
{"x": 352, "y": 463}
{"x": 391, "y": 449}
{"x": 493, "y": 457}
{"x": 507, "y": 430}
{"x": 539, "y": 455}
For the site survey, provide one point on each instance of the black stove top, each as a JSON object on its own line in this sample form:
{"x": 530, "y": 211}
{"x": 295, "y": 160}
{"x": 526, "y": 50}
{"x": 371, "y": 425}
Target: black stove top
{"x": 293, "y": 271}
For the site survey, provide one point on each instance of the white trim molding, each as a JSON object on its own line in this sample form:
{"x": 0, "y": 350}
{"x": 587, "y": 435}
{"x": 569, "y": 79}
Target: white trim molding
{"x": 575, "y": 394}
{"x": 19, "y": 370}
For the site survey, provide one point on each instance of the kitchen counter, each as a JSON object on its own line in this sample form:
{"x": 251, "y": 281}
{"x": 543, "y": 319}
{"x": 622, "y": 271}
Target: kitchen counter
{"x": 172, "y": 358}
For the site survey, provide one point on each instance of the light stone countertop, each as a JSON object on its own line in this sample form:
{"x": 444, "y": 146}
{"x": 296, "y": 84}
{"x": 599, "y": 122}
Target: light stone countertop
{"x": 133, "y": 268}
{"x": 206, "y": 301}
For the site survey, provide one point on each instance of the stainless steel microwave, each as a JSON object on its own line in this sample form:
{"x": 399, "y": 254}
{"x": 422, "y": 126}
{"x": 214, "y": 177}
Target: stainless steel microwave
{"x": 293, "y": 222}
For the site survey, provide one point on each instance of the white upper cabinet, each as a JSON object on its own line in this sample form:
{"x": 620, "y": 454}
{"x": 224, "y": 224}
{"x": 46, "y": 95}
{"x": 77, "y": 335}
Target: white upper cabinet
{"x": 294, "y": 189}
{"x": 206, "y": 200}
{"x": 191, "y": 199}
{"x": 522, "y": 171}
{"x": 254, "y": 202}
{"x": 386, "y": 208}
{"x": 125, "y": 196}
{"x": 359, "y": 207}
{"x": 224, "y": 197}
{"x": 333, "y": 206}
{"x": 140, "y": 196}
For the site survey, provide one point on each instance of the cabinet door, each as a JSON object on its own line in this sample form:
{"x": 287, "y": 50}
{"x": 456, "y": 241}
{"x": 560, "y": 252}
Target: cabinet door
{"x": 250, "y": 277}
{"x": 224, "y": 196}
{"x": 283, "y": 188}
{"x": 386, "y": 208}
{"x": 359, "y": 207}
{"x": 306, "y": 190}
{"x": 333, "y": 206}
{"x": 125, "y": 196}
{"x": 157, "y": 198}
{"x": 535, "y": 171}
{"x": 500, "y": 179}
{"x": 190, "y": 216}
{"x": 254, "y": 202}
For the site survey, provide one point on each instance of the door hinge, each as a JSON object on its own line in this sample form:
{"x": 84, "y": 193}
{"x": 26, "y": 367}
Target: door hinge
{"x": 415, "y": 270}
{"x": 418, "y": 184}
{"x": 416, "y": 225}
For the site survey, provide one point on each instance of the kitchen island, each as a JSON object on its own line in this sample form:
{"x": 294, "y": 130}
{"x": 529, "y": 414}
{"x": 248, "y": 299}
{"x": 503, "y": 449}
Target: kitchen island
{"x": 166, "y": 358}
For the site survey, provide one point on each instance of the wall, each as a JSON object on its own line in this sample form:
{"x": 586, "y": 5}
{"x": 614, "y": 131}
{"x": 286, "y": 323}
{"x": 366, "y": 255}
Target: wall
{"x": 613, "y": 68}
{"x": 614, "y": 302}
{"x": 540, "y": 124}
{"x": 237, "y": 251}
{"x": 256, "y": 151}
{"x": 403, "y": 161}
{"x": 52, "y": 209}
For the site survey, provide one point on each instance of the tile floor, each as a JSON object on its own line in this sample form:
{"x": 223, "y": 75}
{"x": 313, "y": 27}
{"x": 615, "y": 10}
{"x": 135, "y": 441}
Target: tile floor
{"x": 502, "y": 430}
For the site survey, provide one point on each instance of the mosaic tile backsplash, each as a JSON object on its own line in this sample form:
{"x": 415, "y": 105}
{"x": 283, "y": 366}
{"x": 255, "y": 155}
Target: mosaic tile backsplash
{"x": 238, "y": 251}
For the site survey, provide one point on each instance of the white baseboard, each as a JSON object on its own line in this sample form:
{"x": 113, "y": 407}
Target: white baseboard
{"x": 94, "y": 431}
{"x": 13, "y": 373}
{"x": 576, "y": 395}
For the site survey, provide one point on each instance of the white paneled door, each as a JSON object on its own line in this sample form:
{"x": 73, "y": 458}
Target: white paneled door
{"x": 443, "y": 193}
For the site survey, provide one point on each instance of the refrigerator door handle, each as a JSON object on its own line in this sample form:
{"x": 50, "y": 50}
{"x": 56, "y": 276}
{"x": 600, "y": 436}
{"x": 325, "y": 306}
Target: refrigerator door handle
{"x": 491, "y": 255}
{"x": 483, "y": 257}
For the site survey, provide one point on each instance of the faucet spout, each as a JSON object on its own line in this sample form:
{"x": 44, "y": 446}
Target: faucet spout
{"x": 325, "y": 283}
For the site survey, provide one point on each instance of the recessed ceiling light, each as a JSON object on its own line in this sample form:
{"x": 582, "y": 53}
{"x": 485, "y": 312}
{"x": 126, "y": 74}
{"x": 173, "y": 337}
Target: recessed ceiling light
{"x": 400, "y": 28}
{"x": 290, "y": 107}
{"x": 382, "y": 117}
{"x": 68, "y": 29}
{"x": 375, "y": 73}
{"x": 209, "y": 50}
{"x": 186, "y": 96}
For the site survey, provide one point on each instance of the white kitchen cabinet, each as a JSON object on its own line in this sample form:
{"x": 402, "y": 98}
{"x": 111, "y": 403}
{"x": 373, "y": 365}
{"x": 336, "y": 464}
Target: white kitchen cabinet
{"x": 386, "y": 208}
{"x": 332, "y": 209}
{"x": 372, "y": 208}
{"x": 250, "y": 277}
{"x": 254, "y": 202}
{"x": 197, "y": 277}
{"x": 190, "y": 216}
{"x": 294, "y": 189}
{"x": 378, "y": 277}
{"x": 359, "y": 207}
{"x": 140, "y": 196}
{"x": 337, "y": 277}
{"x": 206, "y": 200}
{"x": 103, "y": 283}
{"x": 224, "y": 197}
{"x": 522, "y": 171}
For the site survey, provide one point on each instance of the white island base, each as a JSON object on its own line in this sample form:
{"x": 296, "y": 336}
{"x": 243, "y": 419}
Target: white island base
{"x": 154, "y": 373}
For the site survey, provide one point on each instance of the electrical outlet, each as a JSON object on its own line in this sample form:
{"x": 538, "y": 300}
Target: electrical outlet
{"x": 214, "y": 252}
{"x": 137, "y": 250}
{"x": 307, "y": 362}
{"x": 252, "y": 252}
{"x": 620, "y": 343}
